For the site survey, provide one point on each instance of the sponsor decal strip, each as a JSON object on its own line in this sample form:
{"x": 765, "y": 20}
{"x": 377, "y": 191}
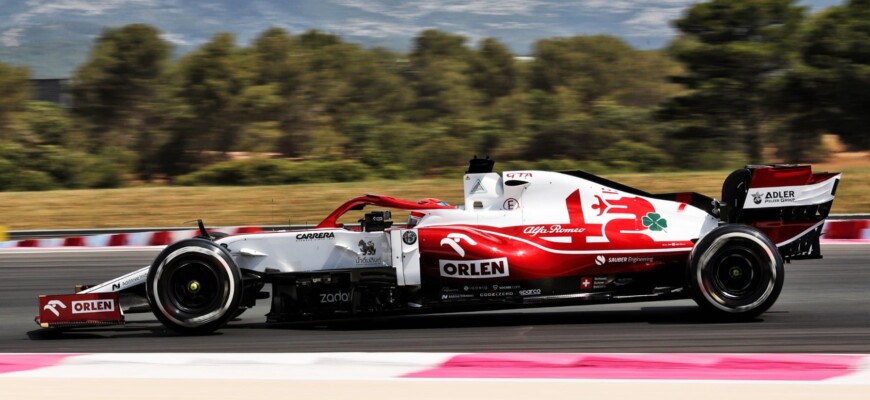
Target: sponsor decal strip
{"x": 315, "y": 235}
{"x": 626, "y": 251}
{"x": 795, "y": 195}
{"x": 123, "y": 282}
{"x": 92, "y": 306}
{"x": 337, "y": 297}
{"x": 489, "y": 268}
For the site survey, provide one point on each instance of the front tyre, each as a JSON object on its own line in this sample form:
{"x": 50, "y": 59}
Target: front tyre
{"x": 194, "y": 287}
{"x": 735, "y": 272}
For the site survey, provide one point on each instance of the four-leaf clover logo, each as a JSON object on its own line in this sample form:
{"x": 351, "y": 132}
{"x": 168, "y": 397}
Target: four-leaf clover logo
{"x": 654, "y": 222}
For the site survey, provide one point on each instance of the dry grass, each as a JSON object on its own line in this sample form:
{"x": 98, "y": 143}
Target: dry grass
{"x": 274, "y": 205}
{"x": 217, "y": 206}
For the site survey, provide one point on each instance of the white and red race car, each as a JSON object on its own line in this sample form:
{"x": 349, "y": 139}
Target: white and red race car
{"x": 522, "y": 238}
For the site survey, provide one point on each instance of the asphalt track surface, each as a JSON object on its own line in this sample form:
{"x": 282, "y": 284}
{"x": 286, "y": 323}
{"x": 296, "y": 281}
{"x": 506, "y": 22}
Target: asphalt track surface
{"x": 824, "y": 308}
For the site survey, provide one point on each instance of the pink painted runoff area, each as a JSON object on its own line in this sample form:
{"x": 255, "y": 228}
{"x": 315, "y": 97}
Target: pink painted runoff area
{"x": 27, "y": 362}
{"x": 845, "y": 241}
{"x": 746, "y": 367}
{"x": 676, "y": 367}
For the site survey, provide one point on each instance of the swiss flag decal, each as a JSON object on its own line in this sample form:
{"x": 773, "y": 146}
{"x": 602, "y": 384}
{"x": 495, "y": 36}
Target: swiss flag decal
{"x": 585, "y": 283}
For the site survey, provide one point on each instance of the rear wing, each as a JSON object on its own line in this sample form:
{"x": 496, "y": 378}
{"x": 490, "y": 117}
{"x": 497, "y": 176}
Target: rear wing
{"x": 777, "y": 192}
{"x": 789, "y": 203}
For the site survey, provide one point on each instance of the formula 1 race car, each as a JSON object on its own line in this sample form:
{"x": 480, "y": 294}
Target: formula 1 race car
{"x": 522, "y": 238}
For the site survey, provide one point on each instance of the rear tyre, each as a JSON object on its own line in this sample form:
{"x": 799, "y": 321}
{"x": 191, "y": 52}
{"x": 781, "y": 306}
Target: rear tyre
{"x": 194, "y": 287}
{"x": 735, "y": 272}
{"x": 238, "y": 313}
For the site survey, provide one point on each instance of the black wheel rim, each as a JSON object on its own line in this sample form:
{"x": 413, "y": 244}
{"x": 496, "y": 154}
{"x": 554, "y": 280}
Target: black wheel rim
{"x": 738, "y": 276}
{"x": 734, "y": 275}
{"x": 194, "y": 288}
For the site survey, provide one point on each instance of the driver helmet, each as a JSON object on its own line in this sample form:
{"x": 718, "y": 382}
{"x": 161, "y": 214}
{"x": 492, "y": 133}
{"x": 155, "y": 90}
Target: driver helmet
{"x": 431, "y": 200}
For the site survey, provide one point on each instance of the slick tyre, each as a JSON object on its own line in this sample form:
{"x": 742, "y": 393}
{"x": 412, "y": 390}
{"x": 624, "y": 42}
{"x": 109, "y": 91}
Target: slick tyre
{"x": 735, "y": 272}
{"x": 194, "y": 287}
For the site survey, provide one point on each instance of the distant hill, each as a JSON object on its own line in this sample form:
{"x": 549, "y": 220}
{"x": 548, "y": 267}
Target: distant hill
{"x": 53, "y": 36}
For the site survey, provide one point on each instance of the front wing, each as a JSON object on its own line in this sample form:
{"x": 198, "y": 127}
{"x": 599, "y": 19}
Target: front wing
{"x": 79, "y": 310}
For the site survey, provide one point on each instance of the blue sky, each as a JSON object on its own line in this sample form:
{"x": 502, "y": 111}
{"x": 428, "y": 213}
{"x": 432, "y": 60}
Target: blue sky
{"x": 644, "y": 23}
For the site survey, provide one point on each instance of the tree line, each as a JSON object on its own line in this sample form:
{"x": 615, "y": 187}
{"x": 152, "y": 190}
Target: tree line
{"x": 742, "y": 79}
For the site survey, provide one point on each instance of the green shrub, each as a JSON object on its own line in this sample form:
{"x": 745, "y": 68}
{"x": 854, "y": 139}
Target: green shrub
{"x": 556, "y": 165}
{"x": 634, "y": 156}
{"x": 441, "y": 154}
{"x": 276, "y": 172}
{"x": 14, "y": 178}
{"x": 225, "y": 173}
{"x": 191, "y": 179}
{"x": 33, "y": 180}
{"x": 52, "y": 167}
{"x": 516, "y": 165}
{"x": 592, "y": 167}
{"x": 269, "y": 172}
{"x": 394, "y": 171}
{"x": 69, "y": 168}
{"x": 13, "y": 152}
{"x": 338, "y": 171}
{"x": 51, "y": 124}
{"x": 553, "y": 165}
{"x": 111, "y": 168}
{"x": 105, "y": 174}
